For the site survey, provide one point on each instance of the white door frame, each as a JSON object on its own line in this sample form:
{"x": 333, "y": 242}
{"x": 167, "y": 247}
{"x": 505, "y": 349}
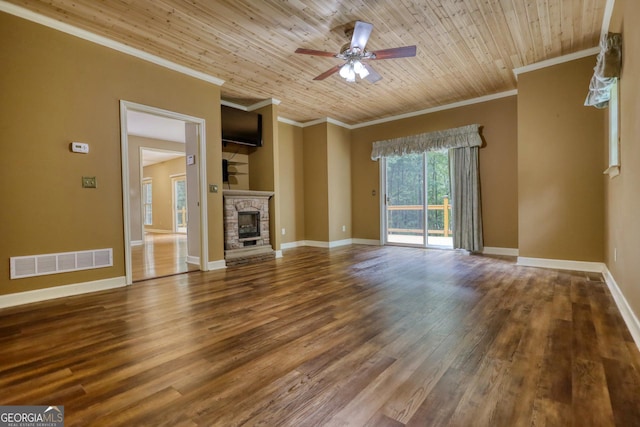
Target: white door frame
{"x": 201, "y": 163}
{"x": 384, "y": 212}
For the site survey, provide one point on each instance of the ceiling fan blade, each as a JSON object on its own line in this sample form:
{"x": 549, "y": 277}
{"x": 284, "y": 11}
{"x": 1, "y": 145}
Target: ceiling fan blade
{"x": 396, "y": 52}
{"x": 329, "y": 72}
{"x": 373, "y": 74}
{"x": 314, "y": 52}
{"x": 361, "y": 33}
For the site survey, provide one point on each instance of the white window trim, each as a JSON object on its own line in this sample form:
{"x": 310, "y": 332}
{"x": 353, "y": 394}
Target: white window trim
{"x": 144, "y": 201}
{"x": 614, "y": 137}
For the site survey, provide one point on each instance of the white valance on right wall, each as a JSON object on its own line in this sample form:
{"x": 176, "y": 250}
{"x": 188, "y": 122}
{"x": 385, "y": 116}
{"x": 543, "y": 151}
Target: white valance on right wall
{"x": 606, "y": 71}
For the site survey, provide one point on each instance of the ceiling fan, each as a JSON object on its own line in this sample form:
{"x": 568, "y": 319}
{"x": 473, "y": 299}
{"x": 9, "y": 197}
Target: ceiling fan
{"x": 356, "y": 56}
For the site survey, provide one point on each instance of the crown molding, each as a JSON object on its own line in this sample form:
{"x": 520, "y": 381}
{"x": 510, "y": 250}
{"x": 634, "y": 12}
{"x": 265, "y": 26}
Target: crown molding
{"x": 21, "y": 12}
{"x": 326, "y": 120}
{"x": 269, "y": 101}
{"x": 290, "y": 122}
{"x": 252, "y": 107}
{"x": 555, "y": 61}
{"x": 402, "y": 116}
{"x": 472, "y": 101}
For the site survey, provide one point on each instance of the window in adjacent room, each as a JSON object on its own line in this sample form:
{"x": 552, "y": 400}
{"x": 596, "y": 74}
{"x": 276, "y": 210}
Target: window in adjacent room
{"x": 147, "y": 209}
{"x": 614, "y": 139}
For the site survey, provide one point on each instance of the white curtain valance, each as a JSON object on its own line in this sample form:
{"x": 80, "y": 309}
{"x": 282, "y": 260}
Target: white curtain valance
{"x": 465, "y": 136}
{"x": 607, "y": 69}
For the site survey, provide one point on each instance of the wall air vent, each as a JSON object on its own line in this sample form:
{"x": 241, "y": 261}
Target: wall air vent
{"x": 40, "y": 265}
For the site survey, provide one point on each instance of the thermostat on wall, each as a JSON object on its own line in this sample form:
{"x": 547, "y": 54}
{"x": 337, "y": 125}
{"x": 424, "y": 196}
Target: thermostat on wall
{"x": 80, "y": 147}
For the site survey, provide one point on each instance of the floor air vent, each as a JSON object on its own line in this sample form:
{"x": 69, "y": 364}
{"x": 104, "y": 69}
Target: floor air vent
{"x": 39, "y": 265}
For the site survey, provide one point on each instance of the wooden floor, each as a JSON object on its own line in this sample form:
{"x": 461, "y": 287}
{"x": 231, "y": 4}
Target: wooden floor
{"x": 160, "y": 255}
{"x": 375, "y": 336}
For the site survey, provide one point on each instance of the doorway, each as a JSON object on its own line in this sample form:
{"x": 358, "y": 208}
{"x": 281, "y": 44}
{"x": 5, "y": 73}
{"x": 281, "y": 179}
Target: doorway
{"x": 416, "y": 208}
{"x": 186, "y": 232}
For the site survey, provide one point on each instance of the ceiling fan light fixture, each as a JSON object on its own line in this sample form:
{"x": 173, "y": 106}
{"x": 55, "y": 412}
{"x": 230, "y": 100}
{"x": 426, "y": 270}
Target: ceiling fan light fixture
{"x": 354, "y": 52}
{"x": 344, "y": 71}
{"x": 347, "y": 72}
{"x": 360, "y": 69}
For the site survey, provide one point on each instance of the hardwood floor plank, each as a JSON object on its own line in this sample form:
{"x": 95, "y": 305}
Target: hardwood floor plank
{"x": 591, "y": 400}
{"x": 520, "y": 382}
{"x": 353, "y": 336}
{"x": 441, "y": 403}
{"x": 623, "y": 382}
{"x": 556, "y": 380}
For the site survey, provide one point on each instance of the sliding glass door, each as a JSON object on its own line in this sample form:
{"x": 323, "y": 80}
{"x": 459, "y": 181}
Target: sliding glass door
{"x": 416, "y": 200}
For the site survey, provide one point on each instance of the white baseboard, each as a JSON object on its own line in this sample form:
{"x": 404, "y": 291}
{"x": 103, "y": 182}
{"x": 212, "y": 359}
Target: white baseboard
{"x": 500, "y": 251}
{"x": 315, "y": 244}
{"x": 137, "y": 243}
{"x": 333, "y": 244}
{"x": 370, "y": 242}
{"x": 279, "y": 254}
{"x": 292, "y": 245}
{"x": 627, "y": 313}
{"x": 559, "y": 264}
{"x": 337, "y": 243}
{"x": 38, "y": 295}
{"x": 195, "y": 260}
{"x": 216, "y": 265}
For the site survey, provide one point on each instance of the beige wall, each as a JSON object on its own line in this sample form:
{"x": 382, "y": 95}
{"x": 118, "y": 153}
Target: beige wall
{"x": 56, "y": 89}
{"x": 339, "y": 182}
{"x": 291, "y": 182}
{"x": 263, "y": 167}
{"x": 623, "y": 192}
{"x": 316, "y": 184}
{"x": 498, "y": 166}
{"x": 560, "y": 164}
{"x": 238, "y": 170}
{"x": 162, "y": 191}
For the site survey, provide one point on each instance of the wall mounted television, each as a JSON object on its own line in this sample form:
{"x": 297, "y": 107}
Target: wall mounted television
{"x": 241, "y": 127}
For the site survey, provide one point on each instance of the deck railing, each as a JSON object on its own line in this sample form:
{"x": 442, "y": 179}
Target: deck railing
{"x": 445, "y": 207}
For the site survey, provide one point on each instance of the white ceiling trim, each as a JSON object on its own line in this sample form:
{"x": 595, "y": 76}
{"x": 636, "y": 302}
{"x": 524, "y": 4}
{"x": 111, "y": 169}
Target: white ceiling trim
{"x": 556, "y": 61}
{"x": 401, "y": 116}
{"x": 270, "y": 101}
{"x": 606, "y": 19}
{"x": 103, "y": 41}
{"x": 440, "y": 108}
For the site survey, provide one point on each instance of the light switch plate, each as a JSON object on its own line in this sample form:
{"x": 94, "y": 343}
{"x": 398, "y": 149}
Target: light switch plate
{"x": 88, "y": 182}
{"x": 80, "y": 147}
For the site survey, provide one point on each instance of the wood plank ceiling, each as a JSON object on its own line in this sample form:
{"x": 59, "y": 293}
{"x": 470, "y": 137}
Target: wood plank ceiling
{"x": 466, "y": 48}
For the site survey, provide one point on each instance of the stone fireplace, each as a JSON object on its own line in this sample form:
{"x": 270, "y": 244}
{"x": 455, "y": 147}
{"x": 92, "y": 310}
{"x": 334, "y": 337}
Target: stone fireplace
{"x": 246, "y": 226}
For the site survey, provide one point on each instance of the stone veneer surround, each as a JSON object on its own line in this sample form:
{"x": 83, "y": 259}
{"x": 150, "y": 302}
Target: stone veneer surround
{"x": 243, "y": 250}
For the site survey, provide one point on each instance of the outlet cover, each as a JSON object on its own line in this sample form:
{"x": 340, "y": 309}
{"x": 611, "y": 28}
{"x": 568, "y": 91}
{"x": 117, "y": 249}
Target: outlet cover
{"x": 88, "y": 182}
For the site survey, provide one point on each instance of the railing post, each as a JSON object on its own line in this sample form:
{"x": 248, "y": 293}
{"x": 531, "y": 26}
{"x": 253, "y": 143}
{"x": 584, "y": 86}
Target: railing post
{"x": 446, "y": 217}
